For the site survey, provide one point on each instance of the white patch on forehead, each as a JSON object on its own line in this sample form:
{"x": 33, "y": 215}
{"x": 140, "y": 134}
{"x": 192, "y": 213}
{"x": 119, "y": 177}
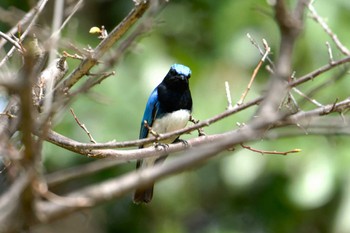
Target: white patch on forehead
{"x": 181, "y": 69}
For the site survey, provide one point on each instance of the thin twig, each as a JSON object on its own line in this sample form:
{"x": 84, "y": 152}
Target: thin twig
{"x": 337, "y": 77}
{"x": 150, "y": 130}
{"x": 315, "y": 102}
{"x": 56, "y": 34}
{"x": 74, "y": 56}
{"x": 269, "y": 151}
{"x": 228, "y": 96}
{"x": 75, "y": 9}
{"x": 293, "y": 101}
{"x": 12, "y": 41}
{"x": 82, "y": 126}
{"x": 92, "y": 81}
{"x": 255, "y": 72}
{"x": 319, "y": 71}
{"x": 261, "y": 51}
{"x": 38, "y": 9}
{"x": 330, "y": 54}
{"x": 106, "y": 44}
{"x": 195, "y": 121}
{"x": 327, "y": 29}
{"x": 57, "y": 27}
{"x": 25, "y": 20}
{"x": 7, "y": 113}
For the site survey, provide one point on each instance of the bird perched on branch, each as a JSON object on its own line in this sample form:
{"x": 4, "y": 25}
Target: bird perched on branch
{"x": 168, "y": 109}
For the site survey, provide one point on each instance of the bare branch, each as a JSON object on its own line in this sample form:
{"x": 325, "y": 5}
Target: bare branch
{"x": 315, "y": 102}
{"x": 122, "y": 185}
{"x": 319, "y": 71}
{"x": 82, "y": 126}
{"x": 26, "y": 19}
{"x": 127, "y": 155}
{"x": 327, "y": 29}
{"x": 228, "y": 96}
{"x": 56, "y": 22}
{"x": 12, "y": 41}
{"x": 290, "y": 25}
{"x": 193, "y": 157}
{"x": 261, "y": 51}
{"x": 37, "y": 11}
{"x": 75, "y": 9}
{"x": 255, "y": 72}
{"x": 69, "y": 144}
{"x": 106, "y": 44}
{"x": 69, "y": 174}
{"x": 330, "y": 54}
{"x": 195, "y": 121}
{"x": 269, "y": 151}
{"x": 11, "y": 205}
{"x": 270, "y": 122}
{"x": 92, "y": 81}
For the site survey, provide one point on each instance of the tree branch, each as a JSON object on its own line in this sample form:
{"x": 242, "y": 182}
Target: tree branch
{"x": 106, "y": 44}
{"x": 327, "y": 29}
{"x": 79, "y": 147}
{"x": 290, "y": 24}
{"x": 37, "y": 11}
{"x": 200, "y": 150}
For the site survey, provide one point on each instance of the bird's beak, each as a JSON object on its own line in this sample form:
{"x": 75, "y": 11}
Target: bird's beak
{"x": 183, "y": 78}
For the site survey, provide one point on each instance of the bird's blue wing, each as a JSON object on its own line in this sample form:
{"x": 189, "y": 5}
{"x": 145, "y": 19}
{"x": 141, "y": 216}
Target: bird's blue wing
{"x": 151, "y": 110}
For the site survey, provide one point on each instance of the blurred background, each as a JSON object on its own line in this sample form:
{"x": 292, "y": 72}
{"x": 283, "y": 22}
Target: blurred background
{"x": 236, "y": 192}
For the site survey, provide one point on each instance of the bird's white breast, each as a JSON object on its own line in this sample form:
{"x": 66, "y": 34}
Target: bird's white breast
{"x": 171, "y": 122}
{"x": 168, "y": 123}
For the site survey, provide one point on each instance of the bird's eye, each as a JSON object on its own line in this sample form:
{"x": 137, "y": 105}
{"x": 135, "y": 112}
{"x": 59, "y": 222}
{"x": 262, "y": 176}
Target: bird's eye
{"x": 173, "y": 72}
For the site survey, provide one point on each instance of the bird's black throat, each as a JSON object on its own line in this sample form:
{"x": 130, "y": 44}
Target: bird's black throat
{"x": 172, "y": 99}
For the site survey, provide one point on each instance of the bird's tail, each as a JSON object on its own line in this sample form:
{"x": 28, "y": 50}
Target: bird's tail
{"x": 143, "y": 195}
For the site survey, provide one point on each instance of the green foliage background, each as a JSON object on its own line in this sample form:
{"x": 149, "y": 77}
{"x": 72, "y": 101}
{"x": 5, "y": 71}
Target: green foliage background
{"x": 237, "y": 191}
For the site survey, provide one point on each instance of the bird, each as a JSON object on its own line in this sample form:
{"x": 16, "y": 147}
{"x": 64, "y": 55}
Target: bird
{"x": 168, "y": 108}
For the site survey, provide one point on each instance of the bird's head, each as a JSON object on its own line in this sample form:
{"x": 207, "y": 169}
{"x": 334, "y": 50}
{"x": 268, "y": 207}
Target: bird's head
{"x": 177, "y": 77}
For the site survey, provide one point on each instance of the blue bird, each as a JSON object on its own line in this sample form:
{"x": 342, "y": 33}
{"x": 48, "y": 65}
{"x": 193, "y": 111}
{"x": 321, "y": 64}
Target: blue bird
{"x": 168, "y": 109}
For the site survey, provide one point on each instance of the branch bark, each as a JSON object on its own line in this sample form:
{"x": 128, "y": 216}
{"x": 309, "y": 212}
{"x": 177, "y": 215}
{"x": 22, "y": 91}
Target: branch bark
{"x": 84, "y": 67}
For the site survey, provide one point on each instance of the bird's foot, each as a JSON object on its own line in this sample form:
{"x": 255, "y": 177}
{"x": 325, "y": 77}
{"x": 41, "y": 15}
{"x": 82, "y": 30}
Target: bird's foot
{"x": 184, "y": 142}
{"x": 158, "y": 145}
